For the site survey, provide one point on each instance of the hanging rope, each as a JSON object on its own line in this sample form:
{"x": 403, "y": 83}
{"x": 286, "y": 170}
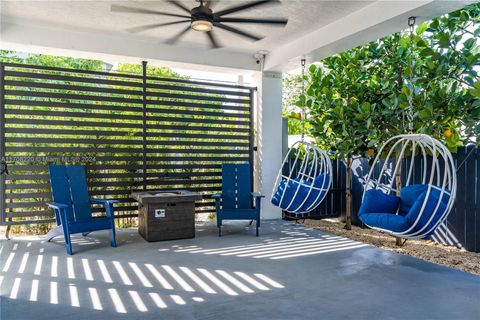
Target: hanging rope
{"x": 303, "y": 61}
{"x": 411, "y": 25}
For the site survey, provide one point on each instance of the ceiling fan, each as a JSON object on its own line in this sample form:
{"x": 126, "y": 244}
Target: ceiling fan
{"x": 203, "y": 19}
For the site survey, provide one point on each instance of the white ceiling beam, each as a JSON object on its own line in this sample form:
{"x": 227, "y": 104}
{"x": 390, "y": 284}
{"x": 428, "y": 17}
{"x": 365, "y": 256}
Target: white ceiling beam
{"x": 16, "y": 35}
{"x": 374, "y": 21}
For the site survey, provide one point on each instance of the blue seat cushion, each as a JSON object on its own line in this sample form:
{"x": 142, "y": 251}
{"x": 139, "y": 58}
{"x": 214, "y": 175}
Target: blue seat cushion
{"x": 376, "y": 209}
{"x": 292, "y": 200}
{"x": 409, "y": 195}
{"x": 375, "y": 201}
{"x": 389, "y": 221}
{"x": 316, "y": 196}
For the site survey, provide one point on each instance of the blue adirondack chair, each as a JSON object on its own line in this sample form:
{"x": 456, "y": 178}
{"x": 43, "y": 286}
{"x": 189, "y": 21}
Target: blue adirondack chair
{"x": 72, "y": 205}
{"x": 236, "y": 200}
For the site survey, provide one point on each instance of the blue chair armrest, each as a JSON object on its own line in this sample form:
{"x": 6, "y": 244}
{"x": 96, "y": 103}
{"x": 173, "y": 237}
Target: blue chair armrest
{"x": 217, "y": 198}
{"x": 108, "y": 206}
{"x": 103, "y": 201}
{"x": 56, "y": 205}
{"x": 257, "y": 195}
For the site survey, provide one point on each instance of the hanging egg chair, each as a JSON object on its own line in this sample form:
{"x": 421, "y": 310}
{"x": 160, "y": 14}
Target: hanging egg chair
{"x": 412, "y": 184}
{"x": 410, "y": 192}
{"x": 305, "y": 176}
{"x": 307, "y": 180}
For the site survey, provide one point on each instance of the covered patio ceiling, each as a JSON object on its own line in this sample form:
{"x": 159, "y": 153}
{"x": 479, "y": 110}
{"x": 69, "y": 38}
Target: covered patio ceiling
{"x": 315, "y": 29}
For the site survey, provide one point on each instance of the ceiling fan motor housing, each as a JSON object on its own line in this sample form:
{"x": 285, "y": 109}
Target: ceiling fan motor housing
{"x": 202, "y": 19}
{"x": 202, "y": 13}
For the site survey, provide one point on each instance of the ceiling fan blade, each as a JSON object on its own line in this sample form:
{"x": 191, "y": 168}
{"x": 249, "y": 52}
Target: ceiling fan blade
{"x": 179, "y": 5}
{"x": 118, "y": 8}
{"x": 243, "y": 7}
{"x": 153, "y": 26}
{"x": 246, "y": 20}
{"x": 177, "y": 37}
{"x": 237, "y": 31}
{"x": 213, "y": 40}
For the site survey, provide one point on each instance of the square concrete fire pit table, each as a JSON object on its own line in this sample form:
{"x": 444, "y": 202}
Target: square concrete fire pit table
{"x": 166, "y": 215}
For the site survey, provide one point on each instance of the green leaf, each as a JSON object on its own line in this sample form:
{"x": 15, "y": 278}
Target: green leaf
{"x": 425, "y": 114}
{"x": 434, "y": 25}
{"x": 468, "y": 44}
{"x": 421, "y": 28}
{"x": 427, "y": 52}
{"x": 444, "y": 40}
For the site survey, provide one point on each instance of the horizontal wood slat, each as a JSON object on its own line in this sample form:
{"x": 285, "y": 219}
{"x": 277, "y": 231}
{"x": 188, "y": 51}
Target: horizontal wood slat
{"x": 122, "y": 75}
{"x": 90, "y": 167}
{"x": 129, "y": 134}
{"x": 159, "y": 175}
{"x": 122, "y": 142}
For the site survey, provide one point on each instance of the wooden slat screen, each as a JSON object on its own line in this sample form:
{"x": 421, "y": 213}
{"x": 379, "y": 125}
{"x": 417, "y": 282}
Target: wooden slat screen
{"x": 132, "y": 132}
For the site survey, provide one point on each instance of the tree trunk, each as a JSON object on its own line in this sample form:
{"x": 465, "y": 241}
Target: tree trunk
{"x": 348, "y": 182}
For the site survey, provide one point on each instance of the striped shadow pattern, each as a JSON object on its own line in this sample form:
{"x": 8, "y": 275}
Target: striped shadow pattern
{"x": 28, "y": 274}
{"x": 296, "y": 243}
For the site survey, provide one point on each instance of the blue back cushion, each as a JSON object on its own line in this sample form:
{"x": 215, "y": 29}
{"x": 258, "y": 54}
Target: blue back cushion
{"x": 278, "y": 193}
{"x": 409, "y": 195}
{"x": 291, "y": 195}
{"x": 375, "y": 201}
{"x": 316, "y": 196}
{"x": 429, "y": 210}
{"x": 236, "y": 186}
{"x": 304, "y": 198}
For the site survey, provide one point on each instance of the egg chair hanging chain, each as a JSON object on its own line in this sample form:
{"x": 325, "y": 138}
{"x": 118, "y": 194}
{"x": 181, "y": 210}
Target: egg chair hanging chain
{"x": 410, "y": 113}
{"x": 304, "y": 115}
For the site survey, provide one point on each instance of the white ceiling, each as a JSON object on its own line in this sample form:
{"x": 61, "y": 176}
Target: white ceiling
{"x": 316, "y": 29}
{"x": 95, "y": 16}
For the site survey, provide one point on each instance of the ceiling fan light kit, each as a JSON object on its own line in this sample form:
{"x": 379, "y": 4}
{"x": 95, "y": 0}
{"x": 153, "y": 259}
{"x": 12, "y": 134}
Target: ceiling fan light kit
{"x": 202, "y": 25}
{"x": 203, "y": 19}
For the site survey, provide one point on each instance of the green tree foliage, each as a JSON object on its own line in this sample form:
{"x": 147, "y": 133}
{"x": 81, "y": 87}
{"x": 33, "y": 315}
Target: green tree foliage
{"x": 64, "y": 62}
{"x": 359, "y": 98}
{"x": 292, "y": 89}
{"x": 160, "y": 72}
{"x": 10, "y": 56}
{"x": 447, "y": 76}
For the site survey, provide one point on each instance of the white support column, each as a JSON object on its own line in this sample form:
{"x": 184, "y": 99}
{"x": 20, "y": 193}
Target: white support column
{"x": 268, "y": 157}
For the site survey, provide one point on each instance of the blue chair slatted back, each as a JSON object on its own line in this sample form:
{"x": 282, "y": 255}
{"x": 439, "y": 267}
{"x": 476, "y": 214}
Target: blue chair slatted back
{"x": 236, "y": 186}
{"x": 61, "y": 189}
{"x": 69, "y": 186}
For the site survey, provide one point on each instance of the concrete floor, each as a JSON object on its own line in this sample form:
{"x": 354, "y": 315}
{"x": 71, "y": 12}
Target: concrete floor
{"x": 289, "y": 272}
